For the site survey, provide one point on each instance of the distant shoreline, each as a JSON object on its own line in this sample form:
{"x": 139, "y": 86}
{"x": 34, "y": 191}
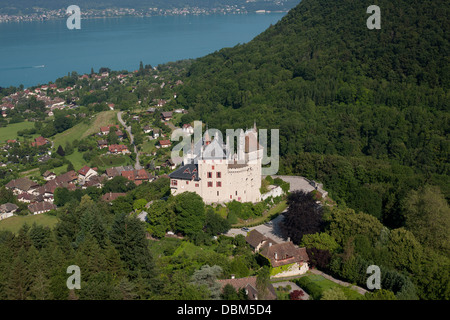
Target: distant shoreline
{"x": 27, "y": 18}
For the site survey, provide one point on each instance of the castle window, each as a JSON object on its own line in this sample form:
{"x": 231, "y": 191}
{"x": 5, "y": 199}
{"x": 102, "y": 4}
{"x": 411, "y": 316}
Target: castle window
{"x": 174, "y": 182}
{"x": 219, "y": 175}
{"x": 217, "y": 193}
{"x": 212, "y": 167}
{"x": 196, "y": 185}
{"x": 218, "y": 184}
{"x": 187, "y": 182}
{"x": 209, "y": 184}
{"x": 236, "y": 192}
{"x": 210, "y": 175}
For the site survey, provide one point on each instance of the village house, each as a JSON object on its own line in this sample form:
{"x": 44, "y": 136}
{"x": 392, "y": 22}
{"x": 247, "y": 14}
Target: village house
{"x": 156, "y": 133}
{"x": 40, "y": 141}
{"x": 138, "y": 176}
{"x": 147, "y": 129}
{"x": 94, "y": 181}
{"x": 118, "y": 148}
{"x": 250, "y": 287}
{"x": 161, "y": 103}
{"x": 22, "y": 185}
{"x": 164, "y": 144}
{"x": 170, "y": 164}
{"x": 286, "y": 259}
{"x": 48, "y": 175}
{"x": 86, "y": 173}
{"x": 26, "y": 197}
{"x": 116, "y": 171}
{"x": 105, "y": 130}
{"x": 166, "y": 116}
{"x": 257, "y": 240}
{"x": 7, "y": 210}
{"x": 41, "y": 207}
{"x": 102, "y": 144}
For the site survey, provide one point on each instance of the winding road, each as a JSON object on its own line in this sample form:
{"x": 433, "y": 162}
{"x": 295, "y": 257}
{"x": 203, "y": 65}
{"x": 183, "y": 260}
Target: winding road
{"x": 137, "y": 166}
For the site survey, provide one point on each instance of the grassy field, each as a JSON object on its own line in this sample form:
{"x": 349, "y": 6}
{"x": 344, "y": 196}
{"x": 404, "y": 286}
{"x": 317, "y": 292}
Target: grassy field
{"x": 10, "y": 132}
{"x": 84, "y": 129}
{"x": 14, "y": 223}
{"x": 77, "y": 160}
{"x": 106, "y": 161}
{"x": 81, "y": 131}
{"x": 315, "y": 285}
{"x": 148, "y": 146}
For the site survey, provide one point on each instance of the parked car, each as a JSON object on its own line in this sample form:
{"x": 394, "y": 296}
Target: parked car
{"x": 245, "y": 229}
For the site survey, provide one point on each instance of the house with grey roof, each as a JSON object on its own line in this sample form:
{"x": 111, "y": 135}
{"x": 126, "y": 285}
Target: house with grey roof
{"x": 7, "y": 210}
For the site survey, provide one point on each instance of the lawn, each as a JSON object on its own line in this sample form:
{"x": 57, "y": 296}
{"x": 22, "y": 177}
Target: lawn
{"x": 84, "y": 129}
{"x": 10, "y": 131}
{"x": 77, "y": 160}
{"x": 315, "y": 285}
{"x": 108, "y": 161}
{"x": 14, "y": 223}
{"x": 148, "y": 145}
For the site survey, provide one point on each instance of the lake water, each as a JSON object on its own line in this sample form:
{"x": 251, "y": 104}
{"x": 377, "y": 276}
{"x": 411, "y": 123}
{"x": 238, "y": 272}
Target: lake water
{"x": 33, "y": 53}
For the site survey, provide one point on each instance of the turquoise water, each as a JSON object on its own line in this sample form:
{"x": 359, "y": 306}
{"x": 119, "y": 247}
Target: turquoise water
{"x": 33, "y": 53}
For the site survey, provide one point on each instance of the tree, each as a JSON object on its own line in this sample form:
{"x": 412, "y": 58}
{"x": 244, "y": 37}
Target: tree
{"x": 296, "y": 295}
{"x": 427, "y": 216}
{"x": 70, "y": 167}
{"x": 303, "y": 217}
{"x": 333, "y": 294}
{"x": 263, "y": 282}
{"x": 320, "y": 241}
{"x": 206, "y": 276}
{"x": 60, "y": 151}
{"x": 381, "y": 294}
{"x": 215, "y": 224}
{"x": 229, "y": 293}
{"x": 190, "y": 213}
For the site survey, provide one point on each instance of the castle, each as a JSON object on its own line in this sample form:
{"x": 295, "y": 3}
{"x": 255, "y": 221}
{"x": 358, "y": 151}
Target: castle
{"x": 219, "y": 174}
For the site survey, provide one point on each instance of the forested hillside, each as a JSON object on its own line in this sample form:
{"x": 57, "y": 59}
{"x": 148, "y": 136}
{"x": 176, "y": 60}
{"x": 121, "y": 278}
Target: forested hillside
{"x": 364, "y": 111}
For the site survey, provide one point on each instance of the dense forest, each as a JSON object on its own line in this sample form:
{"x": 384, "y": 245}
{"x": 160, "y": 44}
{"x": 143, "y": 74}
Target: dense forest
{"x": 364, "y": 111}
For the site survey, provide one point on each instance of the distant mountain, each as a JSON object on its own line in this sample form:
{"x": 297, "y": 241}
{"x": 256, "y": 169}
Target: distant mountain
{"x": 26, "y": 6}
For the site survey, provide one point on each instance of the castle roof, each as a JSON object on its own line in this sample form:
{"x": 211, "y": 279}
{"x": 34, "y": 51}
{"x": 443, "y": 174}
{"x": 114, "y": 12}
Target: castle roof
{"x": 187, "y": 172}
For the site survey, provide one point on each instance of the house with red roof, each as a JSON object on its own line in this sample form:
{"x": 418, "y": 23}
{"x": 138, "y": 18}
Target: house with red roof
{"x": 40, "y": 141}
{"x": 86, "y": 173}
{"x": 105, "y": 130}
{"x": 164, "y": 143}
{"x": 138, "y": 176}
{"x": 118, "y": 148}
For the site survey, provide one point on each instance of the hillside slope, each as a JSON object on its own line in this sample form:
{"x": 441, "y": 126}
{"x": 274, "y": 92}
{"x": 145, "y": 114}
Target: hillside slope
{"x": 376, "y": 100}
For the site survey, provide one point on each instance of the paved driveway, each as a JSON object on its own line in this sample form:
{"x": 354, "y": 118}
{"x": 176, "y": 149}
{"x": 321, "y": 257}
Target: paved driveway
{"x": 272, "y": 231}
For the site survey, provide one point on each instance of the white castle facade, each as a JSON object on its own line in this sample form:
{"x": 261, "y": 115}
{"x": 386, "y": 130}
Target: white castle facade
{"x": 219, "y": 174}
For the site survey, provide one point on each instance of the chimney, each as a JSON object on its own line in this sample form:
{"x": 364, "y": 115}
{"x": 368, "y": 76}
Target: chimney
{"x": 232, "y": 276}
{"x": 270, "y": 244}
{"x": 289, "y": 239}
{"x": 276, "y": 256}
